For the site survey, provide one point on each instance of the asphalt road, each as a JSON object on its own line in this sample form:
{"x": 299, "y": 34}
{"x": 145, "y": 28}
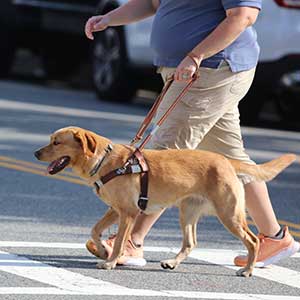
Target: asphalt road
{"x": 45, "y": 221}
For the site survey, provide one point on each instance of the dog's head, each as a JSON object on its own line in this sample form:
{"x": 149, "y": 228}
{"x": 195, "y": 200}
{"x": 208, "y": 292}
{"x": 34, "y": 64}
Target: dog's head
{"x": 69, "y": 147}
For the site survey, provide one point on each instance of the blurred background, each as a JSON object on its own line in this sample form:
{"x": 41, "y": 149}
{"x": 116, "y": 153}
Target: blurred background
{"x": 43, "y": 42}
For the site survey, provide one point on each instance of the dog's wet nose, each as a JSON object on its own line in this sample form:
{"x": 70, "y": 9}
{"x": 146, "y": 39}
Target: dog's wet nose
{"x": 37, "y": 154}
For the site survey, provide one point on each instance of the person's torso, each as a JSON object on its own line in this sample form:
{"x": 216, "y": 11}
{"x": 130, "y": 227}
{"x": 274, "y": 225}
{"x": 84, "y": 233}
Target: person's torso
{"x": 180, "y": 25}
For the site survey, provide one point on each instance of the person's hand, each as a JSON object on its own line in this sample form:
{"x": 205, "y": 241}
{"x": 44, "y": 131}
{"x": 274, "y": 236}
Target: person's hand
{"x": 96, "y": 23}
{"x": 186, "y": 69}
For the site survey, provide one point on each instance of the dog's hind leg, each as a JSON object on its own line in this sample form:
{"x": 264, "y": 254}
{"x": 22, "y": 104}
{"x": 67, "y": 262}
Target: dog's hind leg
{"x": 232, "y": 216}
{"x": 189, "y": 215}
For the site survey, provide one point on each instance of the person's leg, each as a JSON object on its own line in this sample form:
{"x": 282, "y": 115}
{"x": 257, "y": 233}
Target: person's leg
{"x": 225, "y": 138}
{"x": 276, "y": 243}
{"x": 260, "y": 209}
{"x": 142, "y": 226}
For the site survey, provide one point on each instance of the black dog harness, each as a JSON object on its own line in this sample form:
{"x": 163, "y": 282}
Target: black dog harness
{"x": 135, "y": 164}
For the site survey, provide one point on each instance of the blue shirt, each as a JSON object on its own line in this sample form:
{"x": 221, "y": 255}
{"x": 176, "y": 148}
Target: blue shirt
{"x": 180, "y": 25}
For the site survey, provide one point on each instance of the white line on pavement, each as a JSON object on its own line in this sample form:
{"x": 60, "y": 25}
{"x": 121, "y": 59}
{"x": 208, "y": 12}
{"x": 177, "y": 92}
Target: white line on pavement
{"x": 25, "y": 106}
{"x": 75, "y": 112}
{"x": 70, "y": 283}
{"x": 21, "y": 244}
{"x": 170, "y": 294}
{"x": 33, "y": 291}
{"x": 225, "y": 258}
{"x": 58, "y": 277}
{"x": 220, "y": 257}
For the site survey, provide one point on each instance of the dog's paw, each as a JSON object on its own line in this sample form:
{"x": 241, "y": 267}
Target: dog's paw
{"x": 244, "y": 272}
{"x": 169, "y": 264}
{"x": 106, "y": 265}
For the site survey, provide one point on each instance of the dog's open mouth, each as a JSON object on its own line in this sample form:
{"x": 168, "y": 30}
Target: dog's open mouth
{"x": 58, "y": 165}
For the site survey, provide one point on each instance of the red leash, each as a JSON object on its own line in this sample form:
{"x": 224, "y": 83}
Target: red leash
{"x": 153, "y": 110}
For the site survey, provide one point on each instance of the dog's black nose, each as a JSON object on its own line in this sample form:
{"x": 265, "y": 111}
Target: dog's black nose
{"x": 37, "y": 154}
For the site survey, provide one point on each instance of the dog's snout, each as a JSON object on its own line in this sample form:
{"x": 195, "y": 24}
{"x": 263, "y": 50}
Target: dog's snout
{"x": 37, "y": 154}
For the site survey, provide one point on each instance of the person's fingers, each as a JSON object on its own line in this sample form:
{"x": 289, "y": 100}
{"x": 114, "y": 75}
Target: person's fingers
{"x": 183, "y": 75}
{"x": 88, "y": 27}
{"x": 100, "y": 25}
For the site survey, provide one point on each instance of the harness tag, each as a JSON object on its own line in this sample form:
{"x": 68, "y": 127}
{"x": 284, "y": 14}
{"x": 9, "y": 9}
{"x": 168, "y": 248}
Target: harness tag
{"x": 136, "y": 169}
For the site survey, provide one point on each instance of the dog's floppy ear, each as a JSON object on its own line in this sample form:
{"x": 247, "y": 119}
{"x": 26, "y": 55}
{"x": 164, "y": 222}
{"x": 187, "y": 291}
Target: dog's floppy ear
{"x": 86, "y": 141}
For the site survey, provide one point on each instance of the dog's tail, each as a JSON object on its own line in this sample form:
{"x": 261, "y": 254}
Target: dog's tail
{"x": 266, "y": 171}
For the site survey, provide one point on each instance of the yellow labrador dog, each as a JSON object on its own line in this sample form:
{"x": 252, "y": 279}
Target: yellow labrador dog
{"x": 197, "y": 182}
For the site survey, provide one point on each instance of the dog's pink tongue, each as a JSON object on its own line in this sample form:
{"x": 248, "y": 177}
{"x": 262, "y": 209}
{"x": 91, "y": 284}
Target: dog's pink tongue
{"x": 51, "y": 167}
{"x": 58, "y": 165}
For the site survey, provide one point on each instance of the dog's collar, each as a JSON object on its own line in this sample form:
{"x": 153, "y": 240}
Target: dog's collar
{"x": 97, "y": 166}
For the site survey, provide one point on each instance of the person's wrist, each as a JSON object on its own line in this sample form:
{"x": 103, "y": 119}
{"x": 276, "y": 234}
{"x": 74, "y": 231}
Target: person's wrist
{"x": 108, "y": 18}
{"x": 196, "y": 58}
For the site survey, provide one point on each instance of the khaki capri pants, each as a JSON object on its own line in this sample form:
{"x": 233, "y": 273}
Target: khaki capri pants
{"x": 207, "y": 117}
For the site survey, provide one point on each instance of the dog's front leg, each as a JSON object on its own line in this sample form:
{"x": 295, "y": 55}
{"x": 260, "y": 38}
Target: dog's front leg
{"x": 110, "y": 218}
{"x": 124, "y": 231}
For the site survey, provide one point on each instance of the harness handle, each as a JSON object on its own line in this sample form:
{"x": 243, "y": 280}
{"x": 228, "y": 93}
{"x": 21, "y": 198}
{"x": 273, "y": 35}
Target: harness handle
{"x": 154, "y": 108}
{"x": 151, "y": 113}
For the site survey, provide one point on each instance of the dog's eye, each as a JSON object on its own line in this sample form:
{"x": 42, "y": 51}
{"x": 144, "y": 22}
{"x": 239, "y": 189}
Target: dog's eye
{"x": 55, "y": 143}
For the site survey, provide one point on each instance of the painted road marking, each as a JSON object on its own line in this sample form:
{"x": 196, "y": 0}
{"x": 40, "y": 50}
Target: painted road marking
{"x": 225, "y": 258}
{"x": 170, "y": 294}
{"x": 60, "y": 110}
{"x": 220, "y": 257}
{"x": 75, "y": 112}
{"x": 21, "y": 244}
{"x": 42, "y": 173}
{"x": 70, "y": 283}
{"x": 38, "y": 166}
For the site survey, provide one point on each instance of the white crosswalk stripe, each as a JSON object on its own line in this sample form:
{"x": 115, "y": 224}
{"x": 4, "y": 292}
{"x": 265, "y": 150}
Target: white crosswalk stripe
{"x": 64, "y": 282}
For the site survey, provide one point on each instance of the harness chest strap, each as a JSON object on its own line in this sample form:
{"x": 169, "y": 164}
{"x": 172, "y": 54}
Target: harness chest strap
{"x": 135, "y": 164}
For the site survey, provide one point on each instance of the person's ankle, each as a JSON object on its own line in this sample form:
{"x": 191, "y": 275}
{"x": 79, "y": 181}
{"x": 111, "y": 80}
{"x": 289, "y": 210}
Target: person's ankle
{"x": 278, "y": 235}
{"x": 137, "y": 241}
{"x": 271, "y": 232}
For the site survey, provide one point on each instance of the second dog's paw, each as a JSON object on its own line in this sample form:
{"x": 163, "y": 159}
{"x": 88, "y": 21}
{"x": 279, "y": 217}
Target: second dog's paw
{"x": 169, "y": 264}
{"x": 106, "y": 265}
{"x": 244, "y": 272}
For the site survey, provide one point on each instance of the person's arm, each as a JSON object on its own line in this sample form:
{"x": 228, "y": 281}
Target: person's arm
{"x": 236, "y": 21}
{"x": 132, "y": 11}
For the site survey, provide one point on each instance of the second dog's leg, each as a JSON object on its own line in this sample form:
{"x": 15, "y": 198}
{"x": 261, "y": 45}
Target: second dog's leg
{"x": 189, "y": 215}
{"x": 125, "y": 227}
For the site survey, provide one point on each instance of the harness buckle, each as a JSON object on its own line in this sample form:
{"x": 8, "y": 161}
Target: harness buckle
{"x": 142, "y": 202}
